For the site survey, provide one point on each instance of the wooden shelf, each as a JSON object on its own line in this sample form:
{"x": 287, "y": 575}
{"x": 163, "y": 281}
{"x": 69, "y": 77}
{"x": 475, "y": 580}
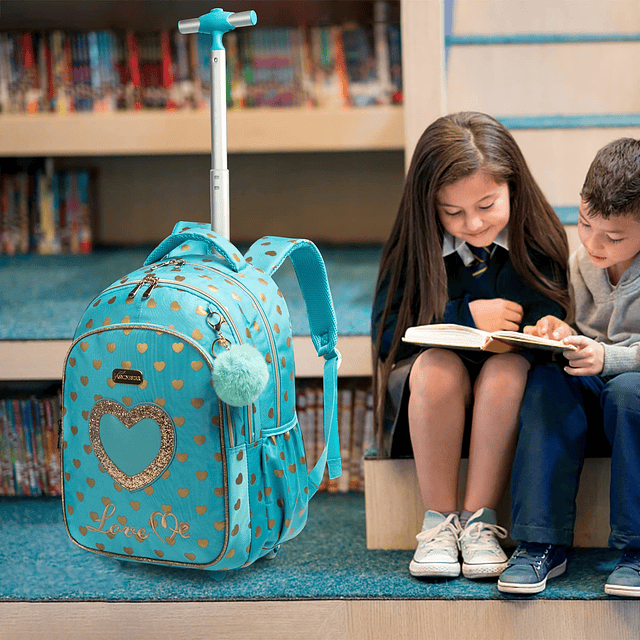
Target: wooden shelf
{"x": 43, "y": 359}
{"x": 188, "y": 132}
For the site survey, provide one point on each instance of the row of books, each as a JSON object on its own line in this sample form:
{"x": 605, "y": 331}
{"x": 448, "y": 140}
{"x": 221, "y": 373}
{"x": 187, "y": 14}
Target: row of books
{"x": 29, "y": 457}
{"x": 355, "y": 426}
{"x": 102, "y": 71}
{"x": 46, "y": 211}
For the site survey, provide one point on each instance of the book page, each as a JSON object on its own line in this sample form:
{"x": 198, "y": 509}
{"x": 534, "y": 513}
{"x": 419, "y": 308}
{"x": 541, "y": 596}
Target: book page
{"x": 524, "y": 340}
{"x": 447, "y": 335}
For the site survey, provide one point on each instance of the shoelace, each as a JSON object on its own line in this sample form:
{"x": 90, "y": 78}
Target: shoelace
{"x": 533, "y": 554}
{"x": 631, "y": 559}
{"x": 439, "y": 533}
{"x": 480, "y": 532}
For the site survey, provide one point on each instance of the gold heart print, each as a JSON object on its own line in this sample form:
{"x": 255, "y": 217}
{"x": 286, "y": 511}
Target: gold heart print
{"x": 128, "y": 419}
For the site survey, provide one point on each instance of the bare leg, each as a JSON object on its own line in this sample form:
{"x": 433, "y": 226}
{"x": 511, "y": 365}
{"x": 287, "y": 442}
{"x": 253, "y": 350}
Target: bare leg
{"x": 498, "y": 394}
{"x": 440, "y": 393}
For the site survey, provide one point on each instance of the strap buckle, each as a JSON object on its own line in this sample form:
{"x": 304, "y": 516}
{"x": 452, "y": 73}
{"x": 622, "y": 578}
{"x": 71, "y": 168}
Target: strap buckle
{"x": 334, "y": 353}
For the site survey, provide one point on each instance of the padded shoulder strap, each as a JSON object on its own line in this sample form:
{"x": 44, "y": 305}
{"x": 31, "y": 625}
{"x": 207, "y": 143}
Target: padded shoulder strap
{"x": 268, "y": 254}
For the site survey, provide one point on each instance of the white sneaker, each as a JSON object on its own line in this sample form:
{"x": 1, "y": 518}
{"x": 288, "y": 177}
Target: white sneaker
{"x": 437, "y": 552}
{"x": 482, "y": 555}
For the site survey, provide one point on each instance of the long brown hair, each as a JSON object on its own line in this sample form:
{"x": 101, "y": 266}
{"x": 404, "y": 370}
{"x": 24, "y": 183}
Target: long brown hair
{"x": 451, "y": 148}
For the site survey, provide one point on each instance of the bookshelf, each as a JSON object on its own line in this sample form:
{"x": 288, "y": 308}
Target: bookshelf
{"x": 370, "y": 137}
{"x": 263, "y": 130}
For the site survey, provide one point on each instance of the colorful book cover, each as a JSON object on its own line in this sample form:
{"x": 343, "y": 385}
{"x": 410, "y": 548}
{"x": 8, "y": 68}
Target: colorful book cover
{"x": 395, "y": 62}
{"x": 273, "y": 81}
{"x": 5, "y": 72}
{"x": 166, "y": 72}
{"x": 133, "y": 90}
{"x": 8, "y": 216}
{"x": 326, "y": 79}
{"x": 182, "y": 90}
{"x": 41, "y": 48}
{"x": 236, "y": 85}
{"x": 345, "y": 424}
{"x": 60, "y": 80}
{"x": 30, "y": 82}
{"x": 84, "y": 227}
{"x": 7, "y": 487}
{"x": 48, "y": 212}
{"x": 21, "y": 193}
{"x": 359, "y": 417}
{"x": 361, "y": 65}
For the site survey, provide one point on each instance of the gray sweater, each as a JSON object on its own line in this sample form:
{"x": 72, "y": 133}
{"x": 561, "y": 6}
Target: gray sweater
{"x": 609, "y": 314}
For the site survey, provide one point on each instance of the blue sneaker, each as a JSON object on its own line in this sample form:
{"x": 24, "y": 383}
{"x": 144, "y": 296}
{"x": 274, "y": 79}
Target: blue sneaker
{"x": 530, "y": 566}
{"x": 625, "y": 578}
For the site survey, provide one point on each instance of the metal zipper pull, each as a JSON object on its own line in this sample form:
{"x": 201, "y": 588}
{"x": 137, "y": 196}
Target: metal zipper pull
{"x": 140, "y": 284}
{"x": 175, "y": 262}
{"x": 154, "y": 283}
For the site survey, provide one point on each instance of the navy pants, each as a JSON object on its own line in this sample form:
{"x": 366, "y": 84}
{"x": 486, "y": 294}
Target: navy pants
{"x": 558, "y": 411}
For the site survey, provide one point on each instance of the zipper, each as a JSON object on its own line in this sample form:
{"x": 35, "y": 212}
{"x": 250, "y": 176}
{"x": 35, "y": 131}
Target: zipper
{"x": 222, "y": 311}
{"x": 176, "y": 262}
{"x": 152, "y": 281}
{"x": 177, "y": 334}
{"x": 258, "y": 306}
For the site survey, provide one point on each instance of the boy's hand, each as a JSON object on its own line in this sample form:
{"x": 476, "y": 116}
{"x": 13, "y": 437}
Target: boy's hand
{"x": 588, "y": 360}
{"x": 496, "y": 314}
{"x": 549, "y": 327}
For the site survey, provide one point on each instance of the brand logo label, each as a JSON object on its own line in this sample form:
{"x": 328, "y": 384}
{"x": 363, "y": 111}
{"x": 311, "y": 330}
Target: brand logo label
{"x": 127, "y": 376}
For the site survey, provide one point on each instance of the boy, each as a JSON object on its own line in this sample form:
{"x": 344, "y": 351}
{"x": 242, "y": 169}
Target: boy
{"x": 600, "y": 387}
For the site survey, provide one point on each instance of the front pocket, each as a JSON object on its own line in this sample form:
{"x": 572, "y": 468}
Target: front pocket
{"x": 170, "y": 504}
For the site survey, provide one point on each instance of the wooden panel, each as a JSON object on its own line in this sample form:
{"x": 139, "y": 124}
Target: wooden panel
{"x": 488, "y": 620}
{"x": 546, "y": 16}
{"x": 333, "y": 197}
{"x": 559, "y": 158}
{"x": 530, "y": 619}
{"x": 543, "y": 79}
{"x": 422, "y": 67}
{"x": 159, "y": 132}
{"x": 394, "y": 509}
{"x": 169, "y": 621}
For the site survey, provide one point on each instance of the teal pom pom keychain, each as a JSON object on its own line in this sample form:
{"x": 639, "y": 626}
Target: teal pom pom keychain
{"x": 239, "y": 375}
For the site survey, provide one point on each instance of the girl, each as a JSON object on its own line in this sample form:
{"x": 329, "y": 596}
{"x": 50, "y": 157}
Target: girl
{"x": 475, "y": 243}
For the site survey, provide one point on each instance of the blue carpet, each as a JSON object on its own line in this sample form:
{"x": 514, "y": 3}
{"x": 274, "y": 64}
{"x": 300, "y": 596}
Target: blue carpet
{"x": 43, "y": 297}
{"x": 328, "y": 560}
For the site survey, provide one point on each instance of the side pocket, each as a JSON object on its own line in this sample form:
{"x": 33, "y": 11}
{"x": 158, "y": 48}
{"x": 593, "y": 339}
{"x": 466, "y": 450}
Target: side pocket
{"x": 286, "y": 481}
{"x": 239, "y": 539}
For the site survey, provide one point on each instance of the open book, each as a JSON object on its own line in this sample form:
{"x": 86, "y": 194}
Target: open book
{"x": 457, "y": 336}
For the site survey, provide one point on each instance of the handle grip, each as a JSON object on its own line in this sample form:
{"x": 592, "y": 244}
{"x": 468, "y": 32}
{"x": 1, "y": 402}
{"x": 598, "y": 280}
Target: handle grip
{"x": 215, "y": 242}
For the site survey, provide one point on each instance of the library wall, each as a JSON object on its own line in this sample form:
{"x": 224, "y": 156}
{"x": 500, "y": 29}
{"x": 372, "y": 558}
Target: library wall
{"x": 346, "y": 197}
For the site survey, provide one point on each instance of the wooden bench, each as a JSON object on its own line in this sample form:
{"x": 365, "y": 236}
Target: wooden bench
{"x": 394, "y": 509}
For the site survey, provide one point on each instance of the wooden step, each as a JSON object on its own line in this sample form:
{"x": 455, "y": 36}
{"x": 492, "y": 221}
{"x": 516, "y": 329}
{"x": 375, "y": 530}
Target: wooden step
{"x": 394, "y": 509}
{"x": 535, "y": 619}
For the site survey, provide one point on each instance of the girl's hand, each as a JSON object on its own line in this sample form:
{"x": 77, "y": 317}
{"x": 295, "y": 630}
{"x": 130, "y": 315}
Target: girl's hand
{"x": 550, "y": 327}
{"x": 588, "y": 360}
{"x": 496, "y": 314}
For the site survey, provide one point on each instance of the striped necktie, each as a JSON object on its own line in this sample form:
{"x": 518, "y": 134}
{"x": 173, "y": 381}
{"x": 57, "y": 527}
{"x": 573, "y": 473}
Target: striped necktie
{"x": 481, "y": 255}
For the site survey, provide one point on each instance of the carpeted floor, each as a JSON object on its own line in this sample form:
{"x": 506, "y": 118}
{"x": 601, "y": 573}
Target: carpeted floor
{"x": 329, "y": 560}
{"x": 43, "y": 297}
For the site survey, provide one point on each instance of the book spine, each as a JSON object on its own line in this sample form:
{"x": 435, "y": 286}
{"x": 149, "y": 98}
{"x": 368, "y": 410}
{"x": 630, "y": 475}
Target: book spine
{"x": 345, "y": 426}
{"x": 359, "y": 418}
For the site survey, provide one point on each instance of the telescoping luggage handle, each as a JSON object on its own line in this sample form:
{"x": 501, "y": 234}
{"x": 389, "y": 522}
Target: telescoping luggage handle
{"x": 215, "y": 23}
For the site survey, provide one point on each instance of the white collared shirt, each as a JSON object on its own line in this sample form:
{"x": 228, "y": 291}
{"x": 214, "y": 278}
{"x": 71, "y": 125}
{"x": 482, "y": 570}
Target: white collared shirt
{"x": 451, "y": 244}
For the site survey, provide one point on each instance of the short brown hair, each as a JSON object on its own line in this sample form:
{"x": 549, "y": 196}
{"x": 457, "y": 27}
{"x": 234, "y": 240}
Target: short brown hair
{"x": 612, "y": 184}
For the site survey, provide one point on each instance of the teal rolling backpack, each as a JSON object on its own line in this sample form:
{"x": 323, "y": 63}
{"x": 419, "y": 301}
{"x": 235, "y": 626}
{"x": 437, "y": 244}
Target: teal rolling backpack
{"x": 180, "y": 443}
